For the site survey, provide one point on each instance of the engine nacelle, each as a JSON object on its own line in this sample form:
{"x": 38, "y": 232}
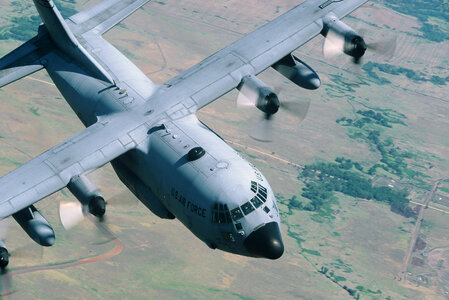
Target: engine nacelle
{"x": 259, "y": 94}
{"x": 89, "y": 196}
{"x": 346, "y": 38}
{"x": 35, "y": 225}
{"x": 298, "y": 72}
{"x": 141, "y": 191}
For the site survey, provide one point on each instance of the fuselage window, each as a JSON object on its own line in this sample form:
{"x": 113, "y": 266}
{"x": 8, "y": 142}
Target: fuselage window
{"x": 220, "y": 214}
{"x": 256, "y": 202}
{"x": 266, "y": 209}
{"x": 236, "y": 214}
{"x": 238, "y": 226}
{"x": 247, "y": 208}
{"x": 228, "y": 217}
{"x": 221, "y": 217}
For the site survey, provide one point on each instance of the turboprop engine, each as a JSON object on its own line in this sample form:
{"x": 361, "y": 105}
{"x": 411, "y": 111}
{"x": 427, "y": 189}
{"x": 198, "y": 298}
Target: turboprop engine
{"x": 89, "y": 196}
{"x": 298, "y": 72}
{"x": 35, "y": 225}
{"x": 253, "y": 92}
{"x": 342, "y": 38}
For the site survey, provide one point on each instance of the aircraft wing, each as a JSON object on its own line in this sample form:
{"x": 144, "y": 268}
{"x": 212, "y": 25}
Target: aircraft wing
{"x": 80, "y": 154}
{"x": 103, "y": 16}
{"x": 257, "y": 51}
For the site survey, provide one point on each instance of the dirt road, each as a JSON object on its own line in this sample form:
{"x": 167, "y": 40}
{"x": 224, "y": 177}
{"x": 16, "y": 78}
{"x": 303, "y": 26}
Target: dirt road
{"x": 6, "y": 288}
{"x": 415, "y": 232}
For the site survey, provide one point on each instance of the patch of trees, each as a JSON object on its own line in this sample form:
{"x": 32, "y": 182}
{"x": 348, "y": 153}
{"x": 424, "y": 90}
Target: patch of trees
{"x": 409, "y": 73}
{"x": 25, "y": 25}
{"x": 322, "y": 180}
{"x": 393, "y": 160}
{"x": 423, "y": 10}
{"x": 336, "y": 279}
{"x": 370, "y": 117}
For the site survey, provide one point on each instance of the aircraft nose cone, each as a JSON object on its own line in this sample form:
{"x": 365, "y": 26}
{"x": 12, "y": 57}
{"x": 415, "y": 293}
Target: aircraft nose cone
{"x": 265, "y": 242}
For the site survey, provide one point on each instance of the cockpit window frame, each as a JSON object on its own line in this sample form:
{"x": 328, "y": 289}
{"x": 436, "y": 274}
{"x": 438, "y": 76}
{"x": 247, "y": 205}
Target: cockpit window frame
{"x": 249, "y": 205}
{"x": 256, "y": 202}
{"x": 237, "y": 216}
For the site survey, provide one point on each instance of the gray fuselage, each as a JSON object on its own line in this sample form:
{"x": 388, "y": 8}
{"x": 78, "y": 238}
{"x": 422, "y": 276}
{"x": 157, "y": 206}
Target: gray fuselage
{"x": 223, "y": 199}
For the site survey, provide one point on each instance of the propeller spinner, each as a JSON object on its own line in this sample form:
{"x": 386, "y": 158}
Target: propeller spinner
{"x": 255, "y": 93}
{"x": 340, "y": 38}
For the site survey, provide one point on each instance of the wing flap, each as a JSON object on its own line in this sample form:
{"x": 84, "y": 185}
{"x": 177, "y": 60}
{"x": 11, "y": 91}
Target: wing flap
{"x": 51, "y": 171}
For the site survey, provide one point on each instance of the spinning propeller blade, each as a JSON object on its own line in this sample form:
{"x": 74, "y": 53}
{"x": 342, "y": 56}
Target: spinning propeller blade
{"x": 334, "y": 45}
{"x": 264, "y": 130}
{"x": 70, "y": 214}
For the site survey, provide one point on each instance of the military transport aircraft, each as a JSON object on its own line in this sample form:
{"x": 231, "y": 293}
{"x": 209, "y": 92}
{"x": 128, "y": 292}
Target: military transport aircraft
{"x": 175, "y": 165}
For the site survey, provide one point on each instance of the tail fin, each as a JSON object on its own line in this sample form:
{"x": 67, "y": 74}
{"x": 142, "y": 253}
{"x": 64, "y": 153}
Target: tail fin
{"x": 64, "y": 39}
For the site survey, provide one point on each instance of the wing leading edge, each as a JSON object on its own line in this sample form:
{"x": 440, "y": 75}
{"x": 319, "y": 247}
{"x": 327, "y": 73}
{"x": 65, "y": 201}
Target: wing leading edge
{"x": 257, "y": 51}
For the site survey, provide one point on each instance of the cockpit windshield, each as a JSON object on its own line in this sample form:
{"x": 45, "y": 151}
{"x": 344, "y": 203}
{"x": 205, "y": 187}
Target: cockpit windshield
{"x": 248, "y": 207}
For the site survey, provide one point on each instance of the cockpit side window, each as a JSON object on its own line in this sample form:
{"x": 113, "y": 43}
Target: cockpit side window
{"x": 236, "y": 214}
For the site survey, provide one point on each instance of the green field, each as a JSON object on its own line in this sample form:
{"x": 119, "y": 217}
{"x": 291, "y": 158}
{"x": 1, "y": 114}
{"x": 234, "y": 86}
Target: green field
{"x": 348, "y": 248}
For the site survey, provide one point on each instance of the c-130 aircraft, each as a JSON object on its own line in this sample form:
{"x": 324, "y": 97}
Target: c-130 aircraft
{"x": 175, "y": 165}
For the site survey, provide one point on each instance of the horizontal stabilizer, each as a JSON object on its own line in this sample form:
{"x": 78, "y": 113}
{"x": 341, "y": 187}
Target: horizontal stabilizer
{"x": 19, "y": 63}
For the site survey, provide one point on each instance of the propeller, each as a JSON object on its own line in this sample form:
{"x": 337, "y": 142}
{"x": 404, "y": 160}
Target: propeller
{"x": 72, "y": 213}
{"x": 335, "y": 44}
{"x": 272, "y": 109}
{"x": 6, "y": 283}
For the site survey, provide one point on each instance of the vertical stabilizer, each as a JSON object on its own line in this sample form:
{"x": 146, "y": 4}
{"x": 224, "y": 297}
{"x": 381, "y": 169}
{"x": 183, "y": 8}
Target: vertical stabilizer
{"x": 66, "y": 41}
